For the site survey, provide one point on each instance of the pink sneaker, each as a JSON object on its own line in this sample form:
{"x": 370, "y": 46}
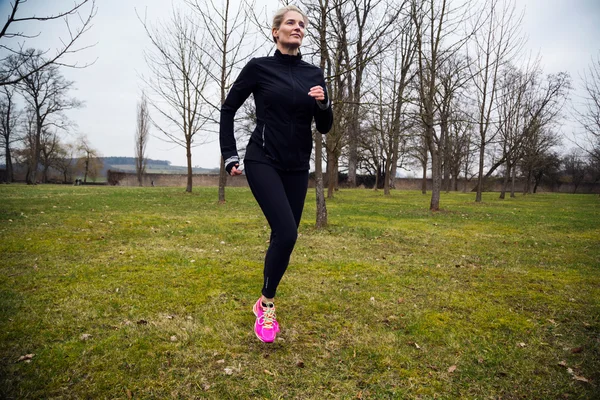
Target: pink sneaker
{"x": 266, "y": 326}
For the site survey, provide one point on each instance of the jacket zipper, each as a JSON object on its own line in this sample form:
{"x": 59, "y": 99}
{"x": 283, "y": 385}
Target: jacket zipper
{"x": 263, "y": 135}
{"x": 293, "y": 122}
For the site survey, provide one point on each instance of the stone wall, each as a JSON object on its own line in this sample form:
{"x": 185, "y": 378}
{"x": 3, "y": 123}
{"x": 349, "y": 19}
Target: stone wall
{"x": 180, "y": 180}
{"x": 130, "y": 179}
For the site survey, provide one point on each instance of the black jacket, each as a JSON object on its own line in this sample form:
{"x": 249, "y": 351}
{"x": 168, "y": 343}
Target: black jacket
{"x": 284, "y": 111}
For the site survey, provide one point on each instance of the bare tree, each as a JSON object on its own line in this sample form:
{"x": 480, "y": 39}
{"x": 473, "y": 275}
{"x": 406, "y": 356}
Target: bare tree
{"x": 401, "y": 79}
{"x": 452, "y": 79}
{"x": 142, "y": 135}
{"x": 340, "y": 92}
{"x": 45, "y": 91}
{"x": 511, "y": 120}
{"x": 495, "y": 44}
{"x": 227, "y": 31}
{"x": 64, "y": 161}
{"x": 318, "y": 11}
{"x": 89, "y": 161}
{"x": 374, "y": 20}
{"x": 9, "y": 118}
{"x": 13, "y": 41}
{"x": 48, "y": 145}
{"x": 434, "y": 21}
{"x": 384, "y": 137}
{"x": 459, "y": 149}
{"x": 588, "y": 115}
{"x": 178, "y": 79}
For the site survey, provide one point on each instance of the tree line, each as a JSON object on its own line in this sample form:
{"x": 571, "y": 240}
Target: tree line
{"x": 33, "y": 135}
{"x": 440, "y": 86}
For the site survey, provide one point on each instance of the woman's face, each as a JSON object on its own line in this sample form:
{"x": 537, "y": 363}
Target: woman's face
{"x": 291, "y": 30}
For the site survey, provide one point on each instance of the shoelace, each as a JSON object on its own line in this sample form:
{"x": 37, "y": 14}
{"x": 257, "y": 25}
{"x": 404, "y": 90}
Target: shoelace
{"x": 268, "y": 316}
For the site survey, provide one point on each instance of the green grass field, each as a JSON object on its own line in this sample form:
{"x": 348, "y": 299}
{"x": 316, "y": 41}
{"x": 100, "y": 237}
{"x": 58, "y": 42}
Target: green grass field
{"x": 109, "y": 292}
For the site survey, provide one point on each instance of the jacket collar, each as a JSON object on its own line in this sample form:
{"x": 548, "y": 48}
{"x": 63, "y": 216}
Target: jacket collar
{"x": 288, "y": 58}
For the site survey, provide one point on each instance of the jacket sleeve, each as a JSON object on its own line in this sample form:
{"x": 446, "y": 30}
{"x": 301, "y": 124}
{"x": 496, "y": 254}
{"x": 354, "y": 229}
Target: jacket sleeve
{"x": 323, "y": 113}
{"x": 239, "y": 92}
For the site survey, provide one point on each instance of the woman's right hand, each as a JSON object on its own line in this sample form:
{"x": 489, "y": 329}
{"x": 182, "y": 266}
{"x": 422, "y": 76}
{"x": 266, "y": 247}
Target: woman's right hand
{"x": 235, "y": 171}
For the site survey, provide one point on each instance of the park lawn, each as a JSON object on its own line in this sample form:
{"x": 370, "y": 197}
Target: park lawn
{"x": 147, "y": 293}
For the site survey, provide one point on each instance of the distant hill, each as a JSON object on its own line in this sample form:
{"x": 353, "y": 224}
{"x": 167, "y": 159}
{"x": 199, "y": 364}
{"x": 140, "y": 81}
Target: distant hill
{"x": 127, "y": 164}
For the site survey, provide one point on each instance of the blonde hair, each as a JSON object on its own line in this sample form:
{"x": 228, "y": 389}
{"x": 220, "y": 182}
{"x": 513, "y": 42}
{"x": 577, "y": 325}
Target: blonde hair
{"x": 278, "y": 17}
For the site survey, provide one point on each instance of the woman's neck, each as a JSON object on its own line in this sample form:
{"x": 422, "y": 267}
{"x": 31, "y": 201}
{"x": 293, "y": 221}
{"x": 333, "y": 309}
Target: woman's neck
{"x": 292, "y": 51}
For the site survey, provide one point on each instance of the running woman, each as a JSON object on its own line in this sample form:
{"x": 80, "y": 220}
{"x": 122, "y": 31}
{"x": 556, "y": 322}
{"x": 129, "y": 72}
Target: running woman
{"x": 288, "y": 94}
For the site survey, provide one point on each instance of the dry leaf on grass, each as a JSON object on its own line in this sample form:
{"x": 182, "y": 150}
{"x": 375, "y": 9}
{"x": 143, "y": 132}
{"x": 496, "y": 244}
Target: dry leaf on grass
{"x": 228, "y": 371}
{"x": 452, "y": 369}
{"x": 580, "y": 378}
{"x": 576, "y": 350}
{"x": 26, "y": 357}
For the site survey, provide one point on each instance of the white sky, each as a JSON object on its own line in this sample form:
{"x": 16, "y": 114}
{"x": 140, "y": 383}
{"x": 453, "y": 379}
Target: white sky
{"x": 566, "y": 33}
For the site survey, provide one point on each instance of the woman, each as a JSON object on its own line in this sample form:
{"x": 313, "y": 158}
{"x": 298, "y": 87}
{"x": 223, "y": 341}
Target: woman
{"x": 288, "y": 94}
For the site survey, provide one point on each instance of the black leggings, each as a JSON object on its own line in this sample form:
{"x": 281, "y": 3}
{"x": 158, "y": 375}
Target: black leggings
{"x": 280, "y": 195}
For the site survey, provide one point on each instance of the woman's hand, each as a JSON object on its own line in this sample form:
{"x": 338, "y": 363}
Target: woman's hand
{"x": 317, "y": 93}
{"x": 235, "y": 171}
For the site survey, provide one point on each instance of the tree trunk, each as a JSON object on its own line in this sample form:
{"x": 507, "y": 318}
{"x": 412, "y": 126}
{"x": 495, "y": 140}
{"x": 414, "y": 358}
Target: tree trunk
{"x": 505, "y": 181}
{"x": 332, "y": 171}
{"x": 480, "y": 173}
{"x": 446, "y": 179}
{"x": 9, "y": 168}
{"x": 319, "y": 188}
{"x": 436, "y": 175}
{"x": 387, "y": 177}
{"x": 222, "y": 181}
{"x": 87, "y": 168}
{"x": 353, "y": 152}
{"x": 424, "y": 179}
{"x": 513, "y": 178}
{"x": 188, "y": 156}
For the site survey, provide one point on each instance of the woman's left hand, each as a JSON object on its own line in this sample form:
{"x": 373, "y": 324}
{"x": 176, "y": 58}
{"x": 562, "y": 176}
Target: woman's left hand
{"x": 317, "y": 93}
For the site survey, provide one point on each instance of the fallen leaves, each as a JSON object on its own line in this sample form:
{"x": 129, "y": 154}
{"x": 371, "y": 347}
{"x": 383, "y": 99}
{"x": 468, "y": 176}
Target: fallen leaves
{"x": 451, "y": 369}
{"x": 26, "y": 358}
{"x": 415, "y": 344}
{"x": 576, "y": 350}
{"x": 580, "y": 378}
{"x": 571, "y": 372}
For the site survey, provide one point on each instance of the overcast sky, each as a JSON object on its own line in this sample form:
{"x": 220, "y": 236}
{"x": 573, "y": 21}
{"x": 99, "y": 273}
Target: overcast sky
{"x": 566, "y": 33}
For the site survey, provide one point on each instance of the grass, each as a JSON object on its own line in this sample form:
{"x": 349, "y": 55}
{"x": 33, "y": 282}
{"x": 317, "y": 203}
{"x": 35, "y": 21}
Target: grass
{"x": 147, "y": 293}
